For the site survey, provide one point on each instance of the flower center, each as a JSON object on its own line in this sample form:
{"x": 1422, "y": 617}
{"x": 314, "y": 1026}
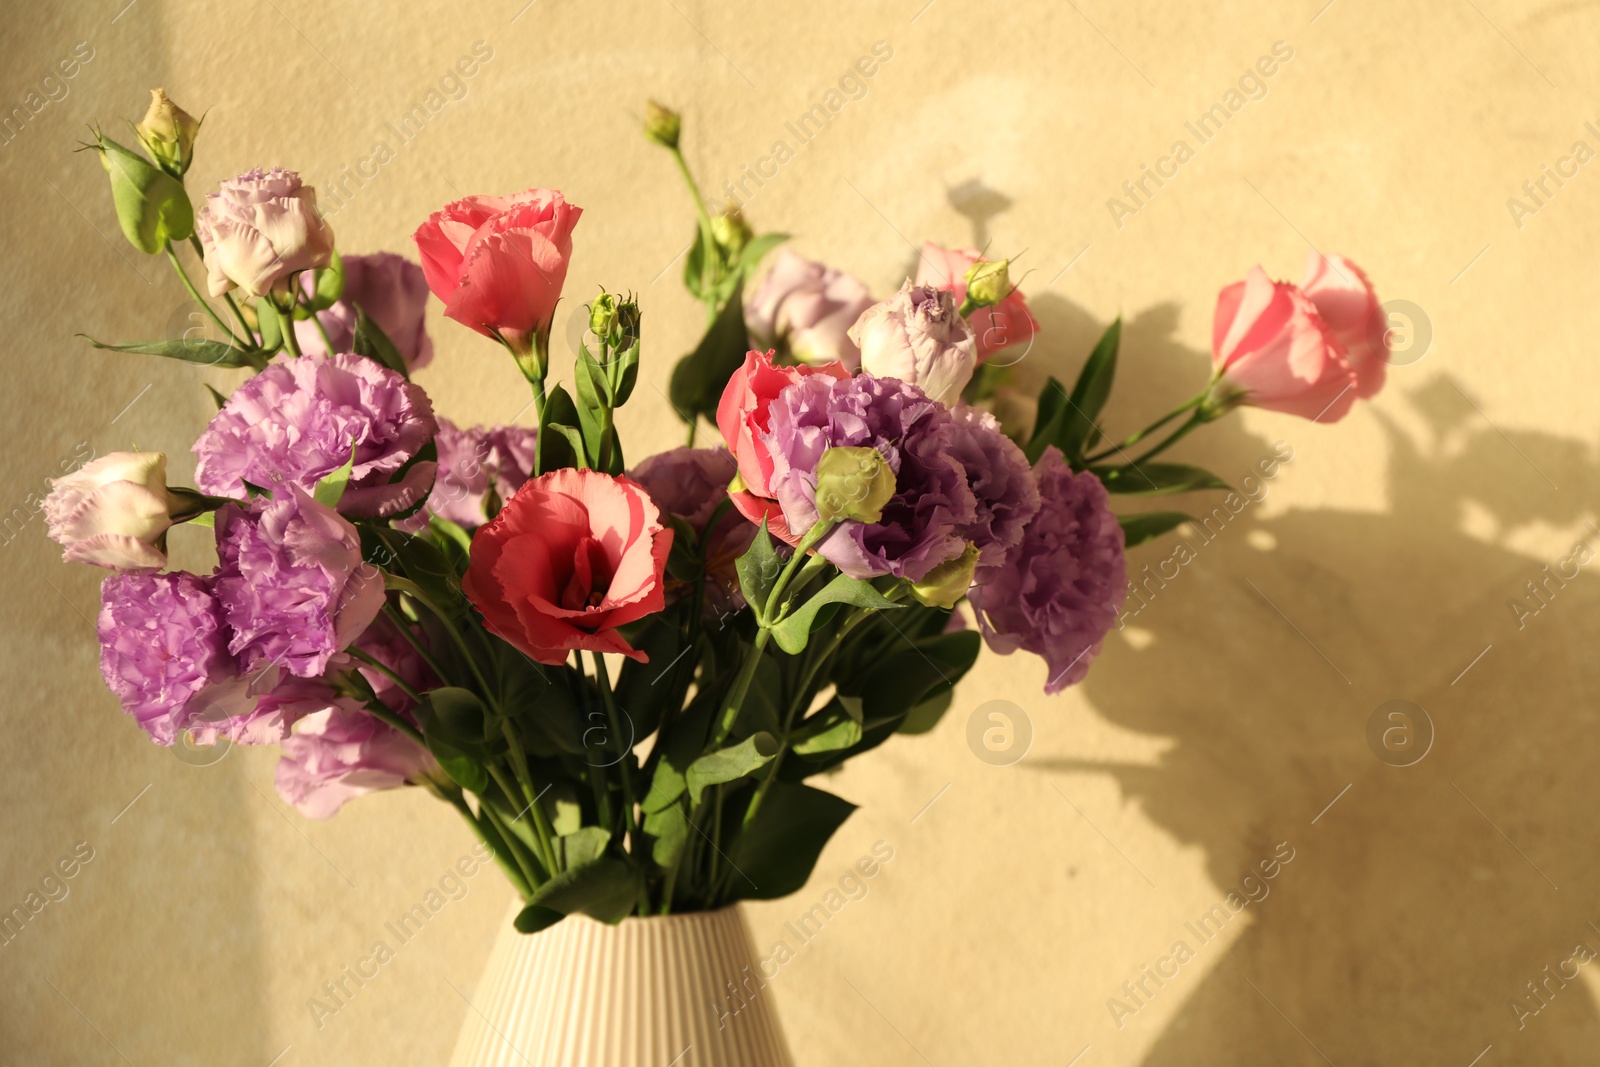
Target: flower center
{"x": 591, "y": 577}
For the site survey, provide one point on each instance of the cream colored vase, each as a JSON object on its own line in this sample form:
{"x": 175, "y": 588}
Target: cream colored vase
{"x": 673, "y": 991}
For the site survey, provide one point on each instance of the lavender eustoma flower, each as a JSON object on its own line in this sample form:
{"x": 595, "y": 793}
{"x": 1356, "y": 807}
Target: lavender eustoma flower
{"x": 164, "y": 652}
{"x": 692, "y": 483}
{"x": 292, "y": 583}
{"x": 339, "y": 752}
{"x": 299, "y": 419}
{"x": 471, "y": 463}
{"x": 1059, "y": 592}
{"x": 392, "y": 291}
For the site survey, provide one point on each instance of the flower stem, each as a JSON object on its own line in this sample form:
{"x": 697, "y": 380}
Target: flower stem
{"x": 1195, "y": 421}
{"x": 635, "y": 840}
{"x": 523, "y": 861}
{"x": 177, "y": 265}
{"x": 383, "y": 668}
{"x": 503, "y": 853}
{"x": 404, "y": 626}
{"x": 1133, "y": 439}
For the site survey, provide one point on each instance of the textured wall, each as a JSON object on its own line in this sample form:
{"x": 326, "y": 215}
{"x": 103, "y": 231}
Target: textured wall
{"x": 1215, "y": 730}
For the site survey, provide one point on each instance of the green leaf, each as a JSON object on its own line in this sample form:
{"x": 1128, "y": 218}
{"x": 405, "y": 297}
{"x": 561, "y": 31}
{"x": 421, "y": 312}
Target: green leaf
{"x": 684, "y": 742}
{"x": 776, "y": 853}
{"x": 152, "y": 207}
{"x": 372, "y": 342}
{"x": 669, "y": 830}
{"x": 270, "y": 324}
{"x": 465, "y": 771}
{"x": 422, "y": 565}
{"x": 830, "y": 729}
{"x": 700, "y": 377}
{"x": 594, "y": 406}
{"x": 694, "y": 264}
{"x": 1072, "y": 427}
{"x": 1137, "y": 529}
{"x": 455, "y": 716}
{"x": 559, "y": 444}
{"x": 203, "y": 353}
{"x": 328, "y": 283}
{"x": 606, "y": 889}
{"x": 758, "y": 570}
{"x": 730, "y": 764}
{"x": 585, "y": 845}
{"x": 625, "y": 371}
{"x": 926, "y": 715}
{"x": 756, "y": 251}
{"x": 218, "y": 397}
{"x": 536, "y": 917}
{"x": 1157, "y": 479}
{"x": 793, "y": 632}
{"x": 909, "y": 676}
{"x": 329, "y": 489}
{"x": 1051, "y": 420}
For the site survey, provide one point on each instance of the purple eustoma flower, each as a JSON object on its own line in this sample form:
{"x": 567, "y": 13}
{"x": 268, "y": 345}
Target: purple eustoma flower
{"x": 339, "y": 752}
{"x": 391, "y": 290}
{"x": 164, "y": 653}
{"x": 1059, "y": 593}
{"x": 692, "y": 483}
{"x": 299, "y": 420}
{"x": 293, "y": 587}
{"x": 471, "y": 462}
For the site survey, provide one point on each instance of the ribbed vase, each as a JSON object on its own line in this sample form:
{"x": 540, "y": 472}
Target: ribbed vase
{"x": 671, "y": 991}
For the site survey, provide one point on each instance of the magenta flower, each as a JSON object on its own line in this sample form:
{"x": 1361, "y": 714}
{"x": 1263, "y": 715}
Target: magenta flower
{"x": 933, "y": 506}
{"x": 292, "y": 583}
{"x": 392, "y": 291}
{"x": 1002, "y": 483}
{"x": 1059, "y": 593}
{"x": 339, "y": 752}
{"x": 471, "y": 462}
{"x": 164, "y": 653}
{"x": 299, "y": 420}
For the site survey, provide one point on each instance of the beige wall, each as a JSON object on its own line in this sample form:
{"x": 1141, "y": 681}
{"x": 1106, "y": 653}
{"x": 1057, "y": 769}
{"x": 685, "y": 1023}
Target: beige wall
{"x": 1221, "y": 723}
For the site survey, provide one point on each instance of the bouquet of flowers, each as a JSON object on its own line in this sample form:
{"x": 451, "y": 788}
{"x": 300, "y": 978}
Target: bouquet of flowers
{"x": 627, "y": 675}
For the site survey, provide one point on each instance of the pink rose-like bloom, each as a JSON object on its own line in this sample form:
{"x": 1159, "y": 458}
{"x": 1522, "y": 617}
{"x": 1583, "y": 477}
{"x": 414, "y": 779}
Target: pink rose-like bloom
{"x": 499, "y": 262}
{"x": 1271, "y": 349}
{"x": 692, "y": 483}
{"x": 809, "y": 308}
{"x": 743, "y": 419}
{"x": 258, "y": 229}
{"x": 1059, "y": 592}
{"x": 392, "y": 291}
{"x": 164, "y": 653}
{"x": 113, "y": 512}
{"x": 471, "y": 462}
{"x": 574, "y": 555}
{"x": 339, "y": 752}
{"x": 297, "y": 421}
{"x": 1000, "y": 326}
{"x": 292, "y": 583}
{"x": 917, "y": 337}
{"x": 1349, "y": 305}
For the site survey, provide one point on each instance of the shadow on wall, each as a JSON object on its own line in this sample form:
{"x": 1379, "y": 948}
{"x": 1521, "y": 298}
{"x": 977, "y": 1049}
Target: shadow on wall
{"x": 150, "y": 951}
{"x": 1422, "y": 899}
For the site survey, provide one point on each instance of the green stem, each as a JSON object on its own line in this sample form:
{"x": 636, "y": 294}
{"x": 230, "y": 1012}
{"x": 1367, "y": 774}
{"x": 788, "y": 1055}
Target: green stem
{"x": 503, "y": 853}
{"x": 327, "y": 342}
{"x": 541, "y": 826}
{"x": 177, "y": 265}
{"x": 227, "y": 298}
{"x": 383, "y": 668}
{"x": 798, "y": 559}
{"x": 489, "y": 694}
{"x": 631, "y": 818}
{"x": 290, "y": 341}
{"x": 404, "y": 626}
{"x": 518, "y": 851}
{"x": 693, "y": 426}
{"x": 1133, "y": 439}
{"x": 1195, "y": 421}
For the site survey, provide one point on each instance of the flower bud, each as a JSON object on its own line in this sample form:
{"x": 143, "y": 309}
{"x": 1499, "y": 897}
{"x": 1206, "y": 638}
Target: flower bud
{"x": 949, "y": 581}
{"x": 853, "y": 483}
{"x": 114, "y": 512}
{"x": 661, "y": 125}
{"x": 152, "y": 207}
{"x": 603, "y": 315}
{"x": 731, "y": 232}
{"x": 988, "y": 283}
{"x": 167, "y": 133}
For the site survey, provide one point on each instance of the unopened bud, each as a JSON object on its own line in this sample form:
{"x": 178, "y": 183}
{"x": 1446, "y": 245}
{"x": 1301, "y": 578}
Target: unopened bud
{"x": 167, "y": 132}
{"x": 853, "y": 483}
{"x": 662, "y": 125}
{"x": 988, "y": 283}
{"x": 731, "y": 232}
{"x": 949, "y": 581}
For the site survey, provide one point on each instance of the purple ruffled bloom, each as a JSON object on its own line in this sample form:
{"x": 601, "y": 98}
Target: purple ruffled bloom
{"x": 923, "y": 525}
{"x": 1001, "y": 481}
{"x": 692, "y": 483}
{"x": 392, "y": 291}
{"x": 338, "y": 752}
{"x": 1059, "y": 593}
{"x": 164, "y": 652}
{"x": 471, "y": 462}
{"x": 297, "y": 421}
{"x": 292, "y": 583}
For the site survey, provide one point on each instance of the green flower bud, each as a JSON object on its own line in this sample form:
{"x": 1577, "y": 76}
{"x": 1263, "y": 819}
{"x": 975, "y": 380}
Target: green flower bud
{"x": 152, "y": 207}
{"x": 853, "y": 483}
{"x": 988, "y": 283}
{"x": 731, "y": 232}
{"x": 949, "y": 581}
{"x": 662, "y": 125}
{"x": 167, "y": 133}
{"x": 603, "y": 315}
